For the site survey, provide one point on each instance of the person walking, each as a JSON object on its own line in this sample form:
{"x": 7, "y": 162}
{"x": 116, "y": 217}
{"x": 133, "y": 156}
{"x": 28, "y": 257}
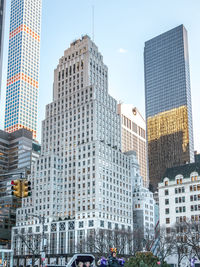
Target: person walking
{"x": 112, "y": 260}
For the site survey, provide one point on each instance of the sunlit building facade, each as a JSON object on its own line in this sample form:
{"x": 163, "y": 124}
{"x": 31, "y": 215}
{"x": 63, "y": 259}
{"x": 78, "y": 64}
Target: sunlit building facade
{"x": 23, "y": 66}
{"x": 168, "y": 103}
{"x": 133, "y": 129}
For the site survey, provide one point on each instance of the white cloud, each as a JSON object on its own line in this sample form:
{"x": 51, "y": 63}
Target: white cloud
{"x": 122, "y": 50}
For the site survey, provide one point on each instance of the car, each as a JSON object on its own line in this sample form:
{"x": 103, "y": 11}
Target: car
{"x": 76, "y": 259}
{"x": 81, "y": 257}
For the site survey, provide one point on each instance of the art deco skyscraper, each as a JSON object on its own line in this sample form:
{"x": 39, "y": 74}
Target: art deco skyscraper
{"x": 81, "y": 175}
{"x": 168, "y": 102}
{"x": 23, "y": 65}
{"x": 2, "y": 18}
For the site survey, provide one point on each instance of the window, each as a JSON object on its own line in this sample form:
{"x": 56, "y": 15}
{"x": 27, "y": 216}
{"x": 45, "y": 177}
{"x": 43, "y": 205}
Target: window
{"x": 166, "y": 201}
{"x": 166, "y": 183}
{"x": 166, "y": 192}
{"x": 167, "y": 211}
{"x": 109, "y": 225}
{"x": 90, "y": 223}
{"x": 167, "y": 220}
{"x": 101, "y": 223}
{"x": 81, "y": 224}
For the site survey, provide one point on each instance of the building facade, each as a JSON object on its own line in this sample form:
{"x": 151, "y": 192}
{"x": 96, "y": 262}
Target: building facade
{"x": 17, "y": 152}
{"x": 2, "y": 22}
{"x": 133, "y": 129}
{"x": 81, "y": 177}
{"x": 179, "y": 195}
{"x": 168, "y": 103}
{"x": 23, "y": 66}
{"x": 143, "y": 207}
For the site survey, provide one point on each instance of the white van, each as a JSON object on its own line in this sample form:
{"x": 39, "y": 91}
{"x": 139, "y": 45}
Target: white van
{"x": 76, "y": 259}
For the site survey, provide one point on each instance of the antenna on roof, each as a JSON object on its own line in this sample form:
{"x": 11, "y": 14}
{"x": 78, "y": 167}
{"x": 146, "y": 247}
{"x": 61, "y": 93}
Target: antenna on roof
{"x": 93, "y": 23}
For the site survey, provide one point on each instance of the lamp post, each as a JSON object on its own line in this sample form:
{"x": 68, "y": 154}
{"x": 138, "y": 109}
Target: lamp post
{"x": 41, "y": 220}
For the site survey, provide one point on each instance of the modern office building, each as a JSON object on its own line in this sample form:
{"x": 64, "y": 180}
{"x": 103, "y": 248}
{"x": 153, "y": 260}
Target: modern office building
{"x": 17, "y": 152}
{"x": 133, "y": 129}
{"x": 2, "y": 22}
{"x": 23, "y": 66}
{"x": 82, "y": 182}
{"x": 168, "y": 103}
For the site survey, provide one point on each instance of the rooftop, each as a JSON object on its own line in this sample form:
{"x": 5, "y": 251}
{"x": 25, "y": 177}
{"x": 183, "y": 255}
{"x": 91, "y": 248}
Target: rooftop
{"x": 184, "y": 170}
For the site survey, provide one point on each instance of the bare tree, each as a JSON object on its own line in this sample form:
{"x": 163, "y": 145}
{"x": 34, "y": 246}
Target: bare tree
{"x": 138, "y": 240}
{"x": 95, "y": 241}
{"x": 181, "y": 250}
{"x": 100, "y": 241}
{"x": 32, "y": 243}
{"x": 188, "y": 233}
{"x": 165, "y": 244}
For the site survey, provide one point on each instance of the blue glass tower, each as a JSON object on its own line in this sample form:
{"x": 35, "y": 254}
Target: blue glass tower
{"x": 168, "y": 102}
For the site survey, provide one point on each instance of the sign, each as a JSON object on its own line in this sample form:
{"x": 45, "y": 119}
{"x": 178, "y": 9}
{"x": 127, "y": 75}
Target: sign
{"x": 43, "y": 255}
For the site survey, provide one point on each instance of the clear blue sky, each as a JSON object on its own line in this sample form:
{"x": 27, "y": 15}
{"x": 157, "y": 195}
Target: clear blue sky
{"x": 121, "y": 28}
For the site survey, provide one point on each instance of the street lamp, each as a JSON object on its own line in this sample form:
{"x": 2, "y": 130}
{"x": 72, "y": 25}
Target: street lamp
{"x": 41, "y": 220}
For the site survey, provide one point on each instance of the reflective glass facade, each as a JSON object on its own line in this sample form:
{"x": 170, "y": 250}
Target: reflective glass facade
{"x": 168, "y": 102}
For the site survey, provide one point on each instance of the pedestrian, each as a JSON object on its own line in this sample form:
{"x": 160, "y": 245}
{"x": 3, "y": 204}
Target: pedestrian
{"x": 87, "y": 264}
{"x": 112, "y": 260}
{"x": 102, "y": 262}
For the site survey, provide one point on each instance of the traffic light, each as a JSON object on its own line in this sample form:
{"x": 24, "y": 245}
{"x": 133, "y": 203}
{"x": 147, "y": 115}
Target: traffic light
{"x": 26, "y": 189}
{"x": 16, "y": 188}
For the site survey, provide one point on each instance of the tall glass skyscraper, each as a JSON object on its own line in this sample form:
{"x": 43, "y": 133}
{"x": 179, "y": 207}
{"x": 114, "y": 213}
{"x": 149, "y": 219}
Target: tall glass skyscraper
{"x": 23, "y": 65}
{"x": 168, "y": 102}
{"x": 2, "y": 19}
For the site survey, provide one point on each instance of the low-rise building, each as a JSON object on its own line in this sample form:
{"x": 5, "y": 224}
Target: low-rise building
{"x": 179, "y": 198}
{"x": 179, "y": 195}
